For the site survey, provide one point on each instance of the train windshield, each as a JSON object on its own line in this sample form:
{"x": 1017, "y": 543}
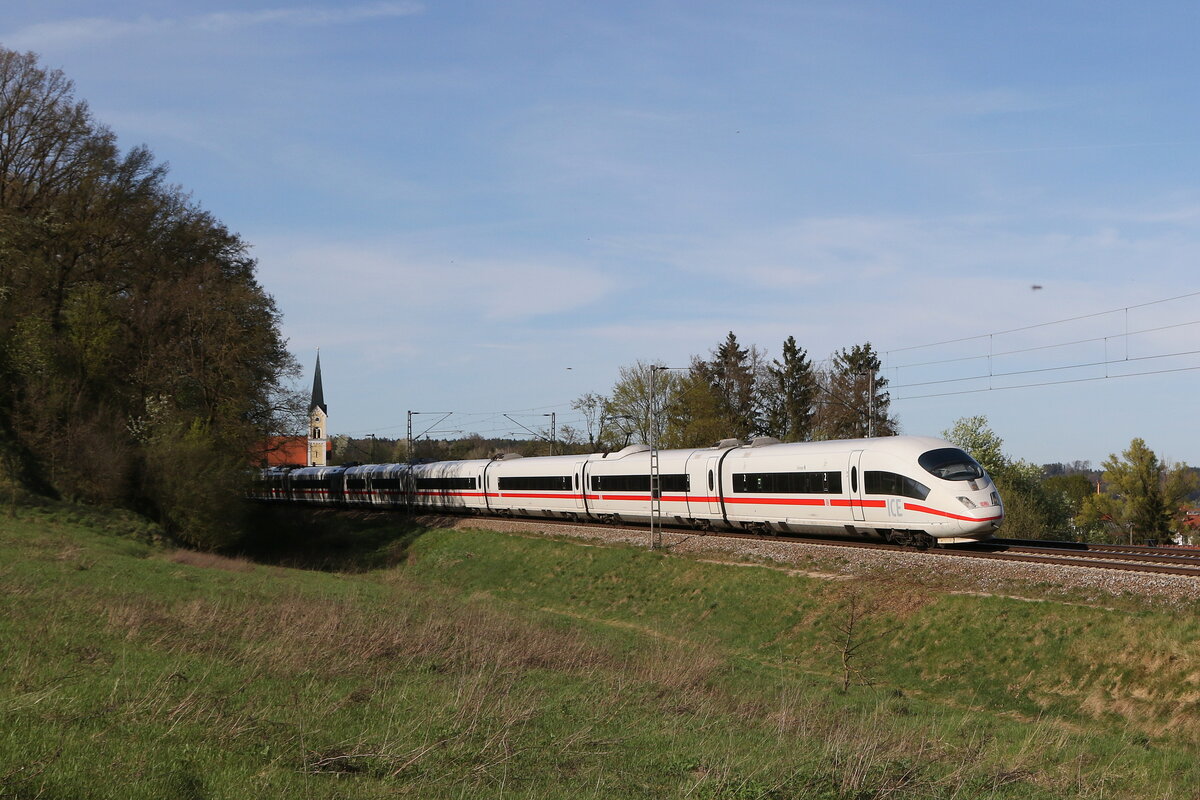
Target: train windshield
{"x": 951, "y": 464}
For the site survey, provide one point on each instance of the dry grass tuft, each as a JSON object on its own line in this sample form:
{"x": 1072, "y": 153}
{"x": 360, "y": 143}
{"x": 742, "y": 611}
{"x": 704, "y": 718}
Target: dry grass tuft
{"x": 193, "y": 558}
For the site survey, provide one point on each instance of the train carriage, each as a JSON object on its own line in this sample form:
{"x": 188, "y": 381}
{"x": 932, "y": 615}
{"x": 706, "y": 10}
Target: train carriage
{"x": 796, "y": 488}
{"x": 356, "y": 490}
{"x": 949, "y": 497}
{"x": 904, "y": 488}
{"x": 375, "y": 485}
{"x": 323, "y": 485}
{"x": 448, "y": 485}
{"x": 618, "y": 486}
{"x": 386, "y": 482}
{"x": 271, "y": 484}
{"x": 545, "y": 486}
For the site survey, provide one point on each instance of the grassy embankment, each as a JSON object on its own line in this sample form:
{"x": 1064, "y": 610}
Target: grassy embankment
{"x": 479, "y": 664}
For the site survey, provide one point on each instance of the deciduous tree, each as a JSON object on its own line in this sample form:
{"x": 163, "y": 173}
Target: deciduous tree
{"x": 1141, "y": 495}
{"x": 591, "y": 406}
{"x": 627, "y": 411}
{"x": 1030, "y": 511}
{"x": 129, "y": 317}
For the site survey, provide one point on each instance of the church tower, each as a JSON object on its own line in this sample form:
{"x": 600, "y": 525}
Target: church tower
{"x": 318, "y": 417}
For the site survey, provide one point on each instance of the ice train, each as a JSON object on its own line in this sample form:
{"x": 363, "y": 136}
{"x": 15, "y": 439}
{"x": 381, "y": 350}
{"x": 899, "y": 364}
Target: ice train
{"x": 906, "y": 489}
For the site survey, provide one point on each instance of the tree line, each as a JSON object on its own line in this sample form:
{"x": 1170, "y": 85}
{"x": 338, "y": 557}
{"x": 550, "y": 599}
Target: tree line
{"x": 737, "y": 392}
{"x": 140, "y": 359}
{"x": 1135, "y": 497}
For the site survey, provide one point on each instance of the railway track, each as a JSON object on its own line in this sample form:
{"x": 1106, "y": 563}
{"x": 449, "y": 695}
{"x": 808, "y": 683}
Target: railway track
{"x": 1125, "y": 558}
{"x": 1132, "y": 558}
{"x": 1070, "y": 554}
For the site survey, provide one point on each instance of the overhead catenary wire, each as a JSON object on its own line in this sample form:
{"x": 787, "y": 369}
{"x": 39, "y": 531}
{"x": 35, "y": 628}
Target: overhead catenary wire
{"x": 1037, "y": 348}
{"x": 1052, "y": 383}
{"x": 996, "y": 380}
{"x": 1054, "y": 369}
{"x": 1021, "y": 328}
{"x": 498, "y": 423}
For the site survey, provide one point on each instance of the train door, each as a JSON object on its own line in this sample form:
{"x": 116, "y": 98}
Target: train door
{"x": 712, "y": 485}
{"x": 583, "y": 486}
{"x": 856, "y": 485}
{"x": 485, "y": 488}
{"x": 577, "y": 486}
{"x": 695, "y": 491}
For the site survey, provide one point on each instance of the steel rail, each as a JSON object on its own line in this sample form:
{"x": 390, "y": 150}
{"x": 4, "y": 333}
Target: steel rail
{"x": 1047, "y": 556}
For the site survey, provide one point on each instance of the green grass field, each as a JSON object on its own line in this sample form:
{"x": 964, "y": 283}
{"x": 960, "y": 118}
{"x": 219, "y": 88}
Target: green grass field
{"x": 434, "y": 663}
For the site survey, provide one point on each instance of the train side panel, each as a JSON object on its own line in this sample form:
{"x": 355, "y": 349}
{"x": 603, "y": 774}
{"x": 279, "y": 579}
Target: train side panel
{"x": 801, "y": 488}
{"x": 546, "y": 486}
{"x": 618, "y": 486}
{"x": 448, "y": 486}
{"x": 911, "y": 489}
{"x": 317, "y": 485}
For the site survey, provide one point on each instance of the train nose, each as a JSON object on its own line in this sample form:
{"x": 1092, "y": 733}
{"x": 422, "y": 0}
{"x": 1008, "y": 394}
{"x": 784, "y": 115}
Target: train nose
{"x": 981, "y": 501}
{"x": 984, "y": 511}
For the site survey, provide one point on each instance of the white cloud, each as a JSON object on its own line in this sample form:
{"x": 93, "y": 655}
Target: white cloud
{"x": 302, "y": 16}
{"x": 384, "y": 281}
{"x": 89, "y": 30}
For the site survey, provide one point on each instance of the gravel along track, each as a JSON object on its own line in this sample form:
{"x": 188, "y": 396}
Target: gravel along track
{"x": 836, "y": 560}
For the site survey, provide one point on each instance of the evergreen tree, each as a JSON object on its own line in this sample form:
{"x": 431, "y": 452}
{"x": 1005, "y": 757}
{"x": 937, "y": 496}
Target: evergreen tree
{"x": 855, "y": 402}
{"x": 732, "y": 373}
{"x": 697, "y": 415}
{"x": 790, "y": 395}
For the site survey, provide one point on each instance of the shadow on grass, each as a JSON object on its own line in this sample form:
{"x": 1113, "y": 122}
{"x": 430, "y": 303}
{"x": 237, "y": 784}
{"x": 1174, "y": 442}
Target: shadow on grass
{"x": 329, "y": 540}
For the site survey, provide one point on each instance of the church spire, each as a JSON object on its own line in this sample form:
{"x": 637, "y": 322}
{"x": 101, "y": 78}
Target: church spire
{"x": 318, "y": 394}
{"x": 318, "y": 421}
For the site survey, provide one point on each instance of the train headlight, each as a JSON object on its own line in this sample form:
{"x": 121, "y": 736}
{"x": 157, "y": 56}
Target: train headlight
{"x": 968, "y": 502}
{"x": 995, "y": 499}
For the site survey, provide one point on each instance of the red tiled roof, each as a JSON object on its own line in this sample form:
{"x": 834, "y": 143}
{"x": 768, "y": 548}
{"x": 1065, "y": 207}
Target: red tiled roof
{"x": 282, "y": 451}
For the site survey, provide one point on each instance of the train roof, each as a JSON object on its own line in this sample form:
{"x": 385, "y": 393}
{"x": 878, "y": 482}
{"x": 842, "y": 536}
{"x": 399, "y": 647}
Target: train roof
{"x": 901, "y": 446}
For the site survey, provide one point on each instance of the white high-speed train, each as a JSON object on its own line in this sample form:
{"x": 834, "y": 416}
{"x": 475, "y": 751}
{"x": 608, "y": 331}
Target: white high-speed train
{"x": 906, "y": 489}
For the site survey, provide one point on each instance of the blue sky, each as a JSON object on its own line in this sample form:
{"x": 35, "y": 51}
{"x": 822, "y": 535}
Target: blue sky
{"x": 488, "y": 207}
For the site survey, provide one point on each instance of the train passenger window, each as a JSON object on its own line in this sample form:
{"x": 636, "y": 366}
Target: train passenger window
{"x": 950, "y": 464}
{"x": 788, "y": 482}
{"x": 443, "y": 483}
{"x": 537, "y": 483}
{"x": 640, "y": 483}
{"x": 878, "y": 482}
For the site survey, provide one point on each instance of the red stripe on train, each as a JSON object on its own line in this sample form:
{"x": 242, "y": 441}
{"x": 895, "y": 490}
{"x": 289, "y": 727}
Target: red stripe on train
{"x": 935, "y": 512}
